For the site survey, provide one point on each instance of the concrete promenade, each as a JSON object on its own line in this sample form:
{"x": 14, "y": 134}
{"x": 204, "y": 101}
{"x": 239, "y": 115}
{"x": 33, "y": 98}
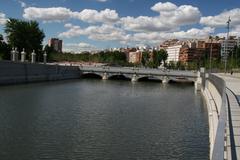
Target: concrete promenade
{"x": 233, "y": 117}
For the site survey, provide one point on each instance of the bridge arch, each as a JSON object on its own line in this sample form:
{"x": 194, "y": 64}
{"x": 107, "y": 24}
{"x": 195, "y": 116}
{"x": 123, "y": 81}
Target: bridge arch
{"x": 181, "y": 80}
{"x": 91, "y": 75}
{"x": 149, "y": 77}
{"x": 119, "y": 76}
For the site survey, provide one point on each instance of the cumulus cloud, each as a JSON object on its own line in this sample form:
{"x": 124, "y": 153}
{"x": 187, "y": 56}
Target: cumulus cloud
{"x": 164, "y": 7}
{"x": 3, "y": 18}
{"x": 157, "y": 37}
{"x": 56, "y": 14}
{"x": 113, "y": 33}
{"x": 171, "y": 17}
{"x": 194, "y": 33}
{"x": 78, "y": 47}
{"x": 221, "y": 19}
{"x": 104, "y": 32}
{"x": 233, "y": 32}
{"x": 47, "y": 14}
{"x": 92, "y": 16}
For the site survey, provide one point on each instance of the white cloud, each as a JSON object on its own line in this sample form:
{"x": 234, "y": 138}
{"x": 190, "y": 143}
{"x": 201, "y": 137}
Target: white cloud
{"x": 171, "y": 17}
{"x": 3, "y": 18}
{"x": 144, "y": 23}
{"x": 47, "y": 14}
{"x": 233, "y": 32}
{"x": 161, "y": 7}
{"x": 221, "y": 19}
{"x": 56, "y": 14}
{"x": 93, "y": 16}
{"x": 194, "y": 33}
{"x": 104, "y": 32}
{"x": 23, "y": 4}
{"x": 78, "y": 47}
{"x": 156, "y": 37}
{"x": 113, "y": 33}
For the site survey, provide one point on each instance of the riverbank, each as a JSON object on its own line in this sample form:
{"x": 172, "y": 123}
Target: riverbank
{"x": 16, "y": 72}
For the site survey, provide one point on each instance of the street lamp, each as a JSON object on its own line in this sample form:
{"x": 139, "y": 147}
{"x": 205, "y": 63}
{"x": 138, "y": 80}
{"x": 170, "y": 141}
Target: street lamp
{"x": 210, "y": 61}
{"x": 226, "y": 44}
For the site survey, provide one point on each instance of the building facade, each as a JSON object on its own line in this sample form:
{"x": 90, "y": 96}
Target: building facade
{"x": 135, "y": 57}
{"x": 173, "y": 53}
{"x": 56, "y": 44}
{"x": 191, "y": 54}
{"x": 227, "y": 46}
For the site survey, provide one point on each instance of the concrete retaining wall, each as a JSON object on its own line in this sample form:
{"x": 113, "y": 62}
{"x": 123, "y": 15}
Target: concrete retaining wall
{"x": 16, "y": 72}
{"x": 215, "y": 97}
{"x": 213, "y": 100}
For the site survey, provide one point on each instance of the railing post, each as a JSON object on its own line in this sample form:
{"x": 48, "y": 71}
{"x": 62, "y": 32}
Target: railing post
{"x": 33, "y": 57}
{"x": 23, "y": 55}
{"x": 13, "y": 54}
{"x": 45, "y": 57}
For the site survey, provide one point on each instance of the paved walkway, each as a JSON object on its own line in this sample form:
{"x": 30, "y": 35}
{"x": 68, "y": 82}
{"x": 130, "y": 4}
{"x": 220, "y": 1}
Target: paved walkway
{"x": 233, "y": 125}
{"x": 233, "y": 83}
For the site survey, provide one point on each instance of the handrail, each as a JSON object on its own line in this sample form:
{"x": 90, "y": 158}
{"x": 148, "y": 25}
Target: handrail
{"x": 218, "y": 147}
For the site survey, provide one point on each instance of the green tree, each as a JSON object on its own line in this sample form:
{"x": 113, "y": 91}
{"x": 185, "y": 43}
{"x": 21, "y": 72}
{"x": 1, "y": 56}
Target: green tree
{"x": 50, "y": 51}
{"x": 24, "y": 34}
{"x": 5, "y": 49}
{"x": 145, "y": 58}
{"x": 164, "y": 56}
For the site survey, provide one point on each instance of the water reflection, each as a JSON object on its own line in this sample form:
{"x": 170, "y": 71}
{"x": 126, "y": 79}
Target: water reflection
{"x": 94, "y": 119}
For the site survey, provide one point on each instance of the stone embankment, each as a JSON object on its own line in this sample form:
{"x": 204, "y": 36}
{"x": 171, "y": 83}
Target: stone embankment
{"x": 18, "y": 72}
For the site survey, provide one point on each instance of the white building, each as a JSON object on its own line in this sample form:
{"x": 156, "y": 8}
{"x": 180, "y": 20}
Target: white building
{"x": 173, "y": 53}
{"x": 227, "y": 46}
{"x": 238, "y": 41}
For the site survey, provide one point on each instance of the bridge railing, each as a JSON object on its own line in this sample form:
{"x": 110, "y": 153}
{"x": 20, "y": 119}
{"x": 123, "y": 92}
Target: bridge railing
{"x": 218, "y": 149}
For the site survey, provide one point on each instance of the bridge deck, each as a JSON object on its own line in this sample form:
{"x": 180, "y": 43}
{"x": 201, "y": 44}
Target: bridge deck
{"x": 140, "y": 71}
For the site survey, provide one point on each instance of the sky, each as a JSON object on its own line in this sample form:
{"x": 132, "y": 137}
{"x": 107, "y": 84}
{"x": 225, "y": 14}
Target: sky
{"x": 100, "y": 24}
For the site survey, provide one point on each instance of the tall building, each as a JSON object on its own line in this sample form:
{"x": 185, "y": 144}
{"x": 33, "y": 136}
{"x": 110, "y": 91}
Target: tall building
{"x": 135, "y": 57}
{"x": 227, "y": 46}
{"x": 173, "y": 53}
{"x": 56, "y": 44}
{"x": 191, "y": 54}
{"x": 213, "y": 48}
{"x": 188, "y": 54}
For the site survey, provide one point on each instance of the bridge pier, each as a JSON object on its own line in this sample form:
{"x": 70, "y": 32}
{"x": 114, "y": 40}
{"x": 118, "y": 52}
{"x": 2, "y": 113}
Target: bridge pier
{"x": 198, "y": 82}
{"x": 134, "y": 78}
{"x": 105, "y": 76}
{"x": 165, "y": 80}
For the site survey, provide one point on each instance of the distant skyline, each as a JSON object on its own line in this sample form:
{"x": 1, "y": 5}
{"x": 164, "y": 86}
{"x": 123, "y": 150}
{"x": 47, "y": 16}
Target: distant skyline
{"x": 99, "y": 24}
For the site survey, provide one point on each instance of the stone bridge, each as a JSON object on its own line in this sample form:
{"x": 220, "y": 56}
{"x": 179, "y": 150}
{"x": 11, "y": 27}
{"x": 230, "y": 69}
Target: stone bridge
{"x": 136, "y": 74}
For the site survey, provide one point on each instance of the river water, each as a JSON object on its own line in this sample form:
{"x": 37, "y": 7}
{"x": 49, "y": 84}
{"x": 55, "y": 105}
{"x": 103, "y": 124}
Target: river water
{"x": 102, "y": 120}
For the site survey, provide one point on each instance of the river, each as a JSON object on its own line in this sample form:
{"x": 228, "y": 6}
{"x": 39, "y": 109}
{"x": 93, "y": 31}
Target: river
{"x": 102, "y": 120}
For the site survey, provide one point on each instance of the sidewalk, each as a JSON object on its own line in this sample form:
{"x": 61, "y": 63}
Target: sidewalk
{"x": 232, "y": 82}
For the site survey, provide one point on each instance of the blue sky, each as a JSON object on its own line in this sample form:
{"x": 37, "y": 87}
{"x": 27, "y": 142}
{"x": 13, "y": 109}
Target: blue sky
{"x": 98, "y": 24}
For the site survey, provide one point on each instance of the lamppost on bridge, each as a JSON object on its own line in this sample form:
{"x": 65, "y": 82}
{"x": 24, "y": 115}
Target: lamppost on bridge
{"x": 226, "y": 45}
{"x": 210, "y": 59}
